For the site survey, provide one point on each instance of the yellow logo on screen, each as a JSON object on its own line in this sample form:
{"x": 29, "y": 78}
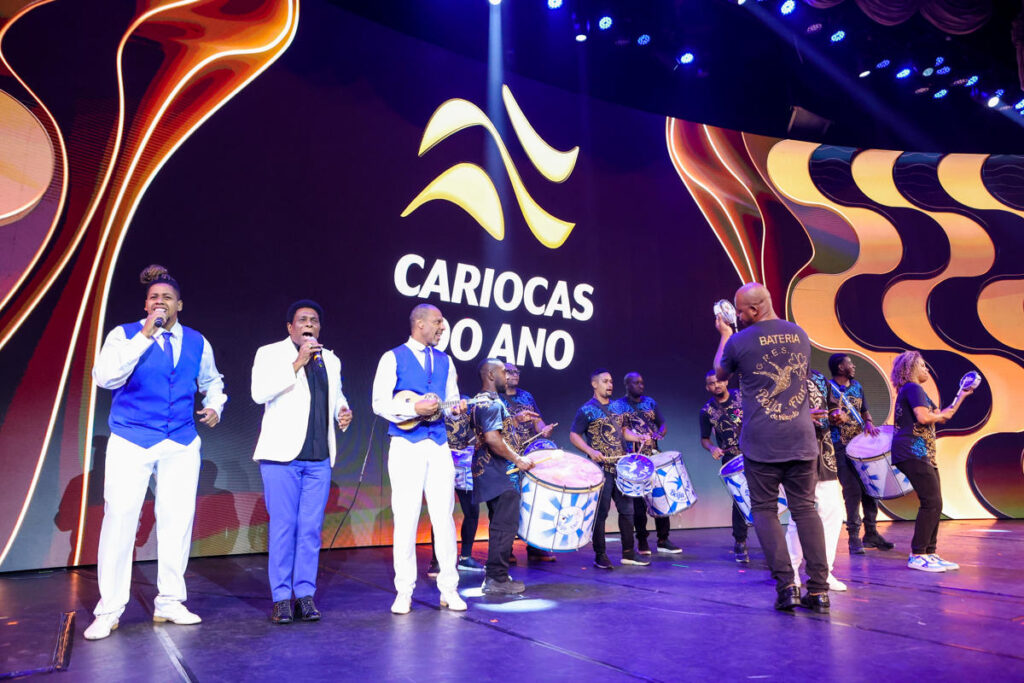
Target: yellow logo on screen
{"x": 468, "y": 186}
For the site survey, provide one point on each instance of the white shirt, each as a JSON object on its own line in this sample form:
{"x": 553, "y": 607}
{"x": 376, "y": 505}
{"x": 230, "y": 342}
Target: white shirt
{"x": 384, "y": 382}
{"x": 120, "y": 355}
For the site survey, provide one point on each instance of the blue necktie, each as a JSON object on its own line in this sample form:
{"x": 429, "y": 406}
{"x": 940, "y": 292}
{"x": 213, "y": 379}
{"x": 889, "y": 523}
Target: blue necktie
{"x": 429, "y": 366}
{"x": 168, "y": 351}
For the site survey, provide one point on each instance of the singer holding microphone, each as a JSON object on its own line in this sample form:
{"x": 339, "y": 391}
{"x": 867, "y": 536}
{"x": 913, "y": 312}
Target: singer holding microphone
{"x": 154, "y": 367}
{"x": 298, "y": 382}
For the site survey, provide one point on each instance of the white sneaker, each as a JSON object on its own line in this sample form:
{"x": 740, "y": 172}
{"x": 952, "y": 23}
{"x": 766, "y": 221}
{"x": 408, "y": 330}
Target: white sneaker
{"x": 453, "y": 601}
{"x": 835, "y": 584}
{"x": 944, "y": 563}
{"x": 924, "y": 563}
{"x": 101, "y": 626}
{"x": 176, "y": 613}
{"x": 402, "y": 604}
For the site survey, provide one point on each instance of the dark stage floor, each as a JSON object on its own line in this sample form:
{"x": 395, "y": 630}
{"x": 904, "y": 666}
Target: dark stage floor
{"x": 695, "y": 616}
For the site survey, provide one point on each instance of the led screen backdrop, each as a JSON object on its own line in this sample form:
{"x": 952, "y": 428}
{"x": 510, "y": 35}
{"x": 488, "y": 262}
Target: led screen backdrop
{"x": 266, "y": 152}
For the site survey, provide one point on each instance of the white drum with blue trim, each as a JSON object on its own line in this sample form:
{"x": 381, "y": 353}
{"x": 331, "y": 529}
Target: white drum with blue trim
{"x": 463, "y": 461}
{"x": 634, "y": 475}
{"x": 736, "y": 483}
{"x": 559, "y": 498}
{"x": 872, "y": 458}
{"x": 672, "y": 491}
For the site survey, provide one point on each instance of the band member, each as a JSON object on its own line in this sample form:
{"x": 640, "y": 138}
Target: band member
{"x": 154, "y": 367}
{"x": 493, "y": 482}
{"x": 913, "y": 453}
{"x": 646, "y": 420}
{"x": 723, "y": 415}
{"x": 521, "y": 402}
{"x": 849, "y": 419}
{"x": 298, "y": 382}
{"x": 460, "y": 435}
{"x": 419, "y": 458}
{"x": 777, "y": 438}
{"x": 823, "y": 400}
{"x": 598, "y": 431}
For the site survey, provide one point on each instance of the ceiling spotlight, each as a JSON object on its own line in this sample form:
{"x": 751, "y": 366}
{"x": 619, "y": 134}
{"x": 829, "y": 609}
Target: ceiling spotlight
{"x": 921, "y": 91}
{"x": 604, "y": 23}
{"x": 939, "y": 94}
{"x": 787, "y": 7}
{"x": 1019, "y": 105}
{"x": 643, "y": 39}
{"x": 740, "y": 2}
{"x": 960, "y": 81}
{"x": 865, "y": 73}
{"x": 554, "y": 4}
{"x": 942, "y": 71}
{"x": 686, "y": 58}
{"x": 939, "y": 61}
{"x": 971, "y": 81}
{"x": 838, "y": 36}
{"x": 903, "y": 73}
{"x": 928, "y": 71}
{"x": 993, "y": 101}
{"x": 814, "y": 28}
{"x": 494, "y": 2}
{"x": 581, "y": 37}
{"x": 999, "y": 93}
{"x": 882, "y": 64}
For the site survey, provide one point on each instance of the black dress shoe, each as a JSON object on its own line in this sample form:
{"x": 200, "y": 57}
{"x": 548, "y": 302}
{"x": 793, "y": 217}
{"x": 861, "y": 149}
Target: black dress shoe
{"x": 876, "y": 540}
{"x": 788, "y": 598}
{"x": 816, "y": 603}
{"x": 282, "y": 613}
{"x": 306, "y": 610}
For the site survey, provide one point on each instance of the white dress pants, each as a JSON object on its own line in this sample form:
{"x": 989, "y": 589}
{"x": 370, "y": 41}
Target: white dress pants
{"x": 420, "y": 469}
{"x": 127, "y": 474}
{"x": 828, "y": 500}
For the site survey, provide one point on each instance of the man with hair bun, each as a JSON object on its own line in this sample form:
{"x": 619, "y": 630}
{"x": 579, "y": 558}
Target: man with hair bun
{"x": 154, "y": 367}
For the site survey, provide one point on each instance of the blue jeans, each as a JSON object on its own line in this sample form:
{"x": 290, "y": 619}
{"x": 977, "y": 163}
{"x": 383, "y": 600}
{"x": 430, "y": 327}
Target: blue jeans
{"x": 296, "y": 496}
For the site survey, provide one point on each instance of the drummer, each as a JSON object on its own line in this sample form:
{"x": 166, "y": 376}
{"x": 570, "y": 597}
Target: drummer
{"x": 521, "y": 402}
{"x": 850, "y": 419}
{"x": 598, "y": 431}
{"x": 723, "y": 415}
{"x": 913, "y": 453}
{"x": 460, "y": 435}
{"x": 645, "y": 419}
{"x": 493, "y": 483}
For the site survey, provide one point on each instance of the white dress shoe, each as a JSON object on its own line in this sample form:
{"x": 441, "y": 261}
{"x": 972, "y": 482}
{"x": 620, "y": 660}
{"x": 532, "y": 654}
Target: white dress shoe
{"x": 402, "y": 604}
{"x": 176, "y": 613}
{"x": 101, "y": 627}
{"x": 835, "y": 584}
{"x": 453, "y": 601}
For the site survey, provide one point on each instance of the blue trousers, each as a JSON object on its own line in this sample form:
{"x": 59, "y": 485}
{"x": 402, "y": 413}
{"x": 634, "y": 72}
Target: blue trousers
{"x": 296, "y": 496}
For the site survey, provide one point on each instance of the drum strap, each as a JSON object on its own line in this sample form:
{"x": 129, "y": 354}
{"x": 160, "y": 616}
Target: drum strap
{"x": 852, "y": 410}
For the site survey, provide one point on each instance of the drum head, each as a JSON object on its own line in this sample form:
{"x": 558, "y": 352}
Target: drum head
{"x": 540, "y": 445}
{"x": 865, "y": 447}
{"x": 662, "y": 458}
{"x": 635, "y": 467}
{"x": 732, "y": 467}
{"x": 565, "y": 469}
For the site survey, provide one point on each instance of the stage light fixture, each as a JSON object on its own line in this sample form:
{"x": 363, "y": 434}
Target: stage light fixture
{"x": 581, "y": 37}
{"x": 939, "y": 61}
{"x": 604, "y": 23}
{"x": 814, "y": 28}
{"x": 903, "y": 73}
{"x": 740, "y": 2}
{"x": 686, "y": 58}
{"x": 554, "y": 4}
{"x": 643, "y": 39}
{"x": 942, "y": 71}
{"x": 971, "y": 81}
{"x": 882, "y": 64}
{"x": 992, "y": 101}
{"x": 921, "y": 91}
{"x": 999, "y": 93}
{"x": 960, "y": 81}
{"x": 939, "y": 94}
{"x": 1019, "y": 105}
{"x": 838, "y": 36}
{"x": 787, "y": 7}
{"x": 865, "y": 73}
{"x": 494, "y": 2}
{"x": 927, "y": 72}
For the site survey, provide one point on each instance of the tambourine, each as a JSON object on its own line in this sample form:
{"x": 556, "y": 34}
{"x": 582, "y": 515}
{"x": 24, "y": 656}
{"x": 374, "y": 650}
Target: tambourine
{"x": 970, "y": 381}
{"x": 726, "y": 311}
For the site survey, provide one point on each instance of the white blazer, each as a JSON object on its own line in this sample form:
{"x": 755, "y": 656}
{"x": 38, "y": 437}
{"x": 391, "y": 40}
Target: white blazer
{"x": 285, "y": 397}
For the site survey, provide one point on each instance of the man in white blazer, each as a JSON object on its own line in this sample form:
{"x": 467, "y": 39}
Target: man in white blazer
{"x": 298, "y": 382}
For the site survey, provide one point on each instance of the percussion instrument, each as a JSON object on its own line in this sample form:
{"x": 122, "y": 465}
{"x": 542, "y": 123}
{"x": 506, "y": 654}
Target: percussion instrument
{"x": 634, "y": 475}
{"x": 672, "y": 491}
{"x": 871, "y": 456}
{"x": 736, "y": 483}
{"x": 558, "y": 503}
{"x": 463, "y": 461}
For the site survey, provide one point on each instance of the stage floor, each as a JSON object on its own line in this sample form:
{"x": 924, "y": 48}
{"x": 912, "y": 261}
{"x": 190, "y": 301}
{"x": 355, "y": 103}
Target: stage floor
{"x": 695, "y": 616}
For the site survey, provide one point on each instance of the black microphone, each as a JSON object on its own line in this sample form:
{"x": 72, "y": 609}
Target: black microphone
{"x": 159, "y": 320}
{"x": 316, "y": 354}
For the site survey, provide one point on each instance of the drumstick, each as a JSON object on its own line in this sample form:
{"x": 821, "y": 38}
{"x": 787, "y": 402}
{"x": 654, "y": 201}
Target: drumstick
{"x": 554, "y": 424}
{"x": 535, "y": 462}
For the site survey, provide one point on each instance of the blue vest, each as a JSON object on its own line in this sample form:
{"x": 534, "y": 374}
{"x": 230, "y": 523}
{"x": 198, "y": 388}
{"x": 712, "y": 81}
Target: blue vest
{"x": 157, "y": 402}
{"x": 412, "y": 377}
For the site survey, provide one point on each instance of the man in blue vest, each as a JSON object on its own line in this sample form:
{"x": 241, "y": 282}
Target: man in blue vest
{"x": 154, "y": 367}
{"x": 419, "y": 459}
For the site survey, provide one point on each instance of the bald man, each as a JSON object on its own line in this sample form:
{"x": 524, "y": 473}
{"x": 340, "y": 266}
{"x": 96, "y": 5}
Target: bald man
{"x": 777, "y": 438}
{"x": 419, "y": 459}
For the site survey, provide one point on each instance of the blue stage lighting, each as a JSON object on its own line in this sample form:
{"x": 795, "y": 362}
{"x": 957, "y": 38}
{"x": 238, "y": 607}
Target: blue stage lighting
{"x": 643, "y": 39}
{"x": 971, "y": 81}
{"x": 581, "y": 37}
{"x": 865, "y": 73}
{"x": 554, "y": 4}
{"x": 838, "y": 36}
{"x": 1019, "y": 105}
{"x": 604, "y": 23}
{"x": 939, "y": 94}
{"x": 928, "y": 71}
{"x": 943, "y": 70}
{"x": 495, "y": 2}
{"x": 882, "y": 64}
{"x": 903, "y": 73}
{"x": 939, "y": 61}
{"x": 787, "y": 7}
{"x": 999, "y": 93}
{"x": 686, "y": 58}
{"x": 993, "y": 101}
{"x": 814, "y": 28}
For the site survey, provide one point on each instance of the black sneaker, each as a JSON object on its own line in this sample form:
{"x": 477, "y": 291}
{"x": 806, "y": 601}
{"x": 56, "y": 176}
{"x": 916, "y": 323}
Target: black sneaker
{"x": 876, "y": 540}
{"x": 631, "y": 559}
{"x": 856, "y": 547}
{"x": 643, "y": 547}
{"x": 507, "y": 587}
{"x": 741, "y": 552}
{"x": 434, "y": 569}
{"x": 669, "y": 547}
{"x": 601, "y": 561}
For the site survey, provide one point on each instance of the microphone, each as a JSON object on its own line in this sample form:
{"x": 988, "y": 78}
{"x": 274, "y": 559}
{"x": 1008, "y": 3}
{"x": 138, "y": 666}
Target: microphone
{"x": 316, "y": 354}
{"x": 159, "y": 320}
